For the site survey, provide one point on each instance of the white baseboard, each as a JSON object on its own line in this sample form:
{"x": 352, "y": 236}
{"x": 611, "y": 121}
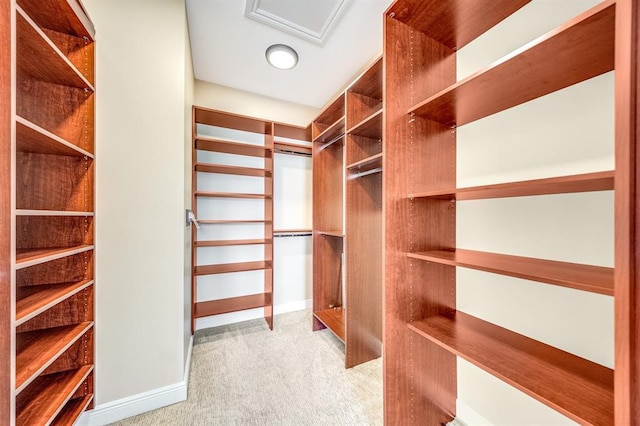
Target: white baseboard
{"x": 251, "y": 314}
{"x": 141, "y": 403}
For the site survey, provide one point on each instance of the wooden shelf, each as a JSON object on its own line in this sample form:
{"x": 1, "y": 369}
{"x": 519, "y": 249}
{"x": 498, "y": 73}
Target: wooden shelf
{"x": 370, "y": 82}
{"x": 63, "y": 16}
{"x": 338, "y": 234}
{"x": 229, "y": 147}
{"x": 222, "y": 243}
{"x": 587, "y": 46}
{"x": 333, "y": 319}
{"x": 33, "y": 138}
{"x": 291, "y": 231}
{"x": 72, "y": 410}
{"x": 230, "y": 195}
{"x": 370, "y": 127}
{"x": 599, "y": 181}
{"x": 282, "y": 130}
{"x": 57, "y": 213}
{"x": 40, "y": 59}
{"x": 231, "y": 221}
{"x": 232, "y": 121}
{"x": 231, "y": 170}
{"x": 233, "y": 304}
{"x": 231, "y": 267}
{"x": 46, "y": 397}
{"x": 594, "y": 279}
{"x": 39, "y": 349}
{"x": 578, "y": 388}
{"x": 26, "y": 258}
{"x": 332, "y": 133}
{"x": 367, "y": 164}
{"x": 39, "y": 298}
{"x": 291, "y": 148}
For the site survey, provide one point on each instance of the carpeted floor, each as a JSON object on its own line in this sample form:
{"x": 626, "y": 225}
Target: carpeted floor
{"x": 244, "y": 374}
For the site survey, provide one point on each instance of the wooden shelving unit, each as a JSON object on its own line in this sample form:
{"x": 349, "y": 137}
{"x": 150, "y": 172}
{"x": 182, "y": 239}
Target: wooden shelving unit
{"x": 267, "y": 131}
{"x": 347, "y": 229}
{"x": 423, "y": 331}
{"x": 327, "y": 132}
{"x": 51, "y": 304}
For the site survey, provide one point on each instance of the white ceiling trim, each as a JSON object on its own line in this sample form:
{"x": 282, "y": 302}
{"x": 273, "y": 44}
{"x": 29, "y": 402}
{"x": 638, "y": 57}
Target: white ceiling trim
{"x": 254, "y": 11}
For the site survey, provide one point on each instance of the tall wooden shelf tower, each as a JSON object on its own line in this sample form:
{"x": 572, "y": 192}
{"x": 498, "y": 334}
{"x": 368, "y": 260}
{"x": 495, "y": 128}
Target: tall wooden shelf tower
{"x": 272, "y": 134}
{"x": 49, "y": 347}
{"x": 423, "y": 101}
{"x": 347, "y": 217}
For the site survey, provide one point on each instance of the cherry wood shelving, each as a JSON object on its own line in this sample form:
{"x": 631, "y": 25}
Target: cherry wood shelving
{"x": 269, "y": 130}
{"x": 580, "y": 389}
{"x": 351, "y": 220}
{"x": 423, "y": 332}
{"x": 51, "y": 327}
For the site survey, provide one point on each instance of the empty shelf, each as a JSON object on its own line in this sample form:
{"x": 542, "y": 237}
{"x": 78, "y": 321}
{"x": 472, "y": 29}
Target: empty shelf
{"x": 231, "y": 267}
{"x": 599, "y": 181}
{"x": 229, "y": 147}
{"x": 46, "y": 397}
{"x": 373, "y": 163}
{"x": 42, "y": 297}
{"x": 332, "y": 133}
{"x": 233, "y": 304}
{"x": 333, "y": 319}
{"x": 222, "y": 243}
{"x": 231, "y": 170}
{"x": 33, "y": 138}
{"x": 72, "y": 410}
{"x": 594, "y": 279}
{"x": 39, "y": 349}
{"x": 339, "y": 234}
{"x": 21, "y": 212}
{"x": 229, "y": 195}
{"x": 30, "y": 257}
{"x": 52, "y": 65}
{"x": 580, "y": 389}
{"x": 370, "y": 127}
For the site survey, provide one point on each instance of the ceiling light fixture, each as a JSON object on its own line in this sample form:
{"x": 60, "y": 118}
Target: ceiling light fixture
{"x": 281, "y": 56}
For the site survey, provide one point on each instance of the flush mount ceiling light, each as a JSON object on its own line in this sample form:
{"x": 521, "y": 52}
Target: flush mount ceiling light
{"x": 281, "y": 56}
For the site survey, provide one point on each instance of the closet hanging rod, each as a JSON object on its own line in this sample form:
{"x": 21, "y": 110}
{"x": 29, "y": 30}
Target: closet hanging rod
{"x": 368, "y": 172}
{"x": 290, "y": 152}
{"x": 332, "y": 141}
{"x": 293, "y": 234}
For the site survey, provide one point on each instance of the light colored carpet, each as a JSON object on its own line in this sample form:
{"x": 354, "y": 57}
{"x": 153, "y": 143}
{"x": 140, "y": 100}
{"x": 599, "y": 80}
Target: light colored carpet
{"x": 244, "y": 374}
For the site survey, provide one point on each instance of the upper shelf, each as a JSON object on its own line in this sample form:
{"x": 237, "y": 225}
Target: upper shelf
{"x": 370, "y": 82}
{"x": 333, "y": 132}
{"x": 370, "y": 127}
{"x": 582, "y": 48}
{"x": 63, "y": 16}
{"x": 368, "y": 164}
{"x": 229, "y": 147}
{"x": 230, "y": 121}
{"x": 580, "y": 389}
{"x": 595, "y": 279}
{"x": 51, "y": 65}
{"x": 598, "y": 181}
{"x": 454, "y": 23}
{"x": 291, "y": 148}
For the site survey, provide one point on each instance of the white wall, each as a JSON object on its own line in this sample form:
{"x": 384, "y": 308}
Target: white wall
{"x": 140, "y": 185}
{"x": 568, "y": 132}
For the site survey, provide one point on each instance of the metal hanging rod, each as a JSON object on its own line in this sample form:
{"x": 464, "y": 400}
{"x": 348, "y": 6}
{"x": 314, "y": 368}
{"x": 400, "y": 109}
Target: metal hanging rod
{"x": 368, "y": 172}
{"x": 293, "y": 234}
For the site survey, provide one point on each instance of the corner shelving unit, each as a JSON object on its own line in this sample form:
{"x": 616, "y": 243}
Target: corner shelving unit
{"x": 423, "y": 330}
{"x": 53, "y": 168}
{"x": 268, "y": 130}
{"x": 347, "y": 228}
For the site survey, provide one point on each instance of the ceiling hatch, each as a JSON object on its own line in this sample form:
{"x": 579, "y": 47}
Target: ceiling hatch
{"x": 310, "y": 20}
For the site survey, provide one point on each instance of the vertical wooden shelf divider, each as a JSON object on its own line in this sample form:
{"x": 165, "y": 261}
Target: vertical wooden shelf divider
{"x": 51, "y": 299}
{"x": 269, "y": 131}
{"x": 423, "y": 331}
{"x": 347, "y": 226}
